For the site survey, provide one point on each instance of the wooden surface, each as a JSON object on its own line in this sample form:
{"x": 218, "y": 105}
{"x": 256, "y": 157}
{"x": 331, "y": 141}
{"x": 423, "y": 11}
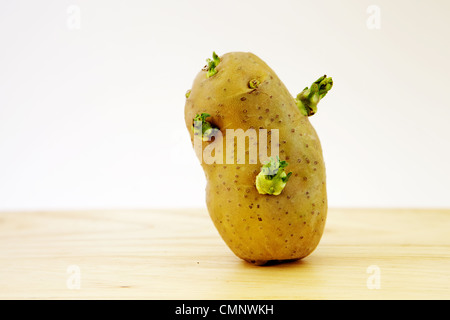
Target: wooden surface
{"x": 177, "y": 254}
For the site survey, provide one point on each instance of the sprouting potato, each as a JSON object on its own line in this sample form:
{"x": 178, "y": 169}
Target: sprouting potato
{"x": 273, "y": 207}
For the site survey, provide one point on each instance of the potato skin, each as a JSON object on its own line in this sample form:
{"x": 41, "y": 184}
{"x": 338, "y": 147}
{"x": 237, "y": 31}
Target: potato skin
{"x": 260, "y": 228}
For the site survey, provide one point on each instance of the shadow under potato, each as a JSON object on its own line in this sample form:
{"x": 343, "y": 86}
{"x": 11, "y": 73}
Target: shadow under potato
{"x": 267, "y": 263}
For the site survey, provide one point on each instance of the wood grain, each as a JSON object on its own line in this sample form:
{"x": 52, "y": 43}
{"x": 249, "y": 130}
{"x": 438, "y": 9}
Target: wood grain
{"x": 177, "y": 254}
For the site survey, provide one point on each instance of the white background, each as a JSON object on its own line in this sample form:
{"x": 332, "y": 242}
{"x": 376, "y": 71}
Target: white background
{"x": 92, "y": 117}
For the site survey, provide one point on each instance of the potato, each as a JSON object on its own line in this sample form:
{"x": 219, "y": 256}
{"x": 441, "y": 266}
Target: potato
{"x": 261, "y": 217}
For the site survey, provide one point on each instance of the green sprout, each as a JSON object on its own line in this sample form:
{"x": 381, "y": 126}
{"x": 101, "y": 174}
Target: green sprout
{"x": 203, "y": 128}
{"x": 253, "y": 84}
{"x": 308, "y": 99}
{"x": 272, "y": 179}
{"x": 211, "y": 65}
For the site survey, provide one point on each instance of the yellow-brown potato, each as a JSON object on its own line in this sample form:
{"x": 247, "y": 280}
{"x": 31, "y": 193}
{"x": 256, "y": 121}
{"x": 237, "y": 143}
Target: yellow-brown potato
{"x": 260, "y": 227}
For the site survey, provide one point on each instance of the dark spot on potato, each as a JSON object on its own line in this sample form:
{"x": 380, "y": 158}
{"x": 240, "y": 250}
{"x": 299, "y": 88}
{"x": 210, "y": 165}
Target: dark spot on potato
{"x": 259, "y": 219}
{"x": 243, "y": 98}
{"x": 292, "y": 130}
{"x": 267, "y": 110}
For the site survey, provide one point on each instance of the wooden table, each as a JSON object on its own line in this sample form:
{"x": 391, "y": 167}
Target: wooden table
{"x": 178, "y": 254}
